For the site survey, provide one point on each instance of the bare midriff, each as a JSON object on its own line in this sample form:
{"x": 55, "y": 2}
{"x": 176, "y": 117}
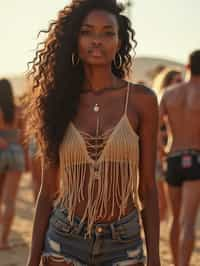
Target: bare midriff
{"x": 81, "y": 207}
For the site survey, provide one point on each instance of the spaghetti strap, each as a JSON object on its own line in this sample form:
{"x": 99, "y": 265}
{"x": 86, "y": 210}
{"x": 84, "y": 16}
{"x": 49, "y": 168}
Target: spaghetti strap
{"x": 110, "y": 158}
{"x": 127, "y": 97}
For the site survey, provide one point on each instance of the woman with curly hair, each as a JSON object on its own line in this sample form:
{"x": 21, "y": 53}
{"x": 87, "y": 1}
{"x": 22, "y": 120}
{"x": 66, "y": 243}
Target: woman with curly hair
{"x": 12, "y": 159}
{"x": 97, "y": 138}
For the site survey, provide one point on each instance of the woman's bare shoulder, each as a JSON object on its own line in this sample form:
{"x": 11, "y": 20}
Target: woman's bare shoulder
{"x": 142, "y": 90}
{"x": 142, "y": 96}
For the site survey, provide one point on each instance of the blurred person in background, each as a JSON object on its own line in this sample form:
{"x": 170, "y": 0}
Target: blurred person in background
{"x": 96, "y": 132}
{"x": 180, "y": 109}
{"x": 12, "y": 158}
{"x": 152, "y": 73}
{"x": 166, "y": 77}
{"x": 34, "y": 162}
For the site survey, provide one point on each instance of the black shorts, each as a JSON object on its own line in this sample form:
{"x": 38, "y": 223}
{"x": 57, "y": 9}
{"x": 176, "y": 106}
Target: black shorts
{"x": 183, "y": 166}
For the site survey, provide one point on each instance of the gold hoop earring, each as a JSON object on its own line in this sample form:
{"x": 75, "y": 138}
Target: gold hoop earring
{"x": 118, "y": 61}
{"x": 75, "y": 60}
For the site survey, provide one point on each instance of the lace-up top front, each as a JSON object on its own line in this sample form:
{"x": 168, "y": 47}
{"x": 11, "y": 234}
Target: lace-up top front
{"x": 113, "y": 175}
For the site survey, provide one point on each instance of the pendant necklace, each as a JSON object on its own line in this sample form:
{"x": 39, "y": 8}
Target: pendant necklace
{"x": 96, "y": 109}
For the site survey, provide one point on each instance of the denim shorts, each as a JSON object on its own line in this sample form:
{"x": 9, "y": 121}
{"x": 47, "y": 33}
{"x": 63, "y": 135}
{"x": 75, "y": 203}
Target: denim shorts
{"x": 12, "y": 158}
{"x": 118, "y": 243}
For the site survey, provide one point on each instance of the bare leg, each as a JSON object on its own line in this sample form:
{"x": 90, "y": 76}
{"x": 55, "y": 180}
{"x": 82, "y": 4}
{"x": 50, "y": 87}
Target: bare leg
{"x": 190, "y": 204}
{"x": 162, "y": 199}
{"x": 175, "y": 201}
{"x": 36, "y": 176}
{"x": 2, "y": 181}
{"x": 10, "y": 192}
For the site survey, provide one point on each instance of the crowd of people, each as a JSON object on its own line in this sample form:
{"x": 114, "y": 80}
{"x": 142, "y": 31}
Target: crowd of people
{"x": 108, "y": 157}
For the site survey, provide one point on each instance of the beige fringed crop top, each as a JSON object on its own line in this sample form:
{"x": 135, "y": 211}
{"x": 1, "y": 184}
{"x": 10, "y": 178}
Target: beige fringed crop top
{"x": 113, "y": 177}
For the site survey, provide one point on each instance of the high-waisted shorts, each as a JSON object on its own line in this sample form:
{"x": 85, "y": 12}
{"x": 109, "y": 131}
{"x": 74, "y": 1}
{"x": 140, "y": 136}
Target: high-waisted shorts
{"x": 12, "y": 158}
{"x": 117, "y": 243}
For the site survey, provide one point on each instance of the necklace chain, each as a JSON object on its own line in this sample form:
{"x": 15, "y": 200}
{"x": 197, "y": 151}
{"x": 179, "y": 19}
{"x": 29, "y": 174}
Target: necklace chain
{"x": 96, "y": 109}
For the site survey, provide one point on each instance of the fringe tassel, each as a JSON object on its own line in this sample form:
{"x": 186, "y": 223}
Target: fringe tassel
{"x": 113, "y": 177}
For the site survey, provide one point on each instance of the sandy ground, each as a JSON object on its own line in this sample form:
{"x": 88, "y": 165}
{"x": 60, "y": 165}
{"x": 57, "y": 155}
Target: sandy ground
{"x": 21, "y": 232}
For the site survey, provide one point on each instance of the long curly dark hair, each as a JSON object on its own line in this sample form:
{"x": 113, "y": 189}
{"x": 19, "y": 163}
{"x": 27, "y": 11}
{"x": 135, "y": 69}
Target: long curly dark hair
{"x": 56, "y": 83}
{"x": 7, "y": 104}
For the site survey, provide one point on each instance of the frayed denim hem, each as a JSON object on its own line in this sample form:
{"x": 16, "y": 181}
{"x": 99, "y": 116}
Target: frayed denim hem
{"x": 128, "y": 262}
{"x": 59, "y": 258}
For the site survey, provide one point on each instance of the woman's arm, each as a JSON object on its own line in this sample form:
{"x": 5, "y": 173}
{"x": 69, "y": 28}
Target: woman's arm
{"x": 163, "y": 135}
{"x": 21, "y": 125}
{"x": 48, "y": 192}
{"x": 148, "y": 126}
{"x": 3, "y": 142}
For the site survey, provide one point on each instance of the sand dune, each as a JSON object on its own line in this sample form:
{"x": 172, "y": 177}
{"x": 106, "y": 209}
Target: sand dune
{"x": 21, "y": 232}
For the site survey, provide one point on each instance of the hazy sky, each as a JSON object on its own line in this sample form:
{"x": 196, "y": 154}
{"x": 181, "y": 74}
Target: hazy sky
{"x": 168, "y": 29}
